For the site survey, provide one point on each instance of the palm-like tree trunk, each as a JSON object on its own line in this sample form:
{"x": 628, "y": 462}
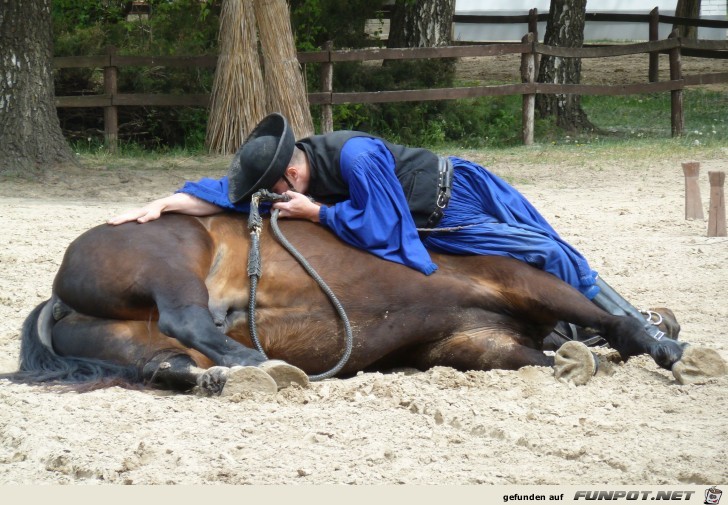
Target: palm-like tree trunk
{"x": 246, "y": 88}
{"x": 285, "y": 87}
{"x": 238, "y": 99}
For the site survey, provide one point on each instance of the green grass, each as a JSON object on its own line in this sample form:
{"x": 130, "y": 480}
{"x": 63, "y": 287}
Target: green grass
{"x": 134, "y": 157}
{"x": 587, "y": 154}
{"x": 95, "y": 149}
{"x": 577, "y": 154}
{"x": 648, "y": 116}
{"x": 495, "y": 123}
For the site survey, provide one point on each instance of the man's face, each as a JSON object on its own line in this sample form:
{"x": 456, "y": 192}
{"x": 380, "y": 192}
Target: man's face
{"x": 282, "y": 185}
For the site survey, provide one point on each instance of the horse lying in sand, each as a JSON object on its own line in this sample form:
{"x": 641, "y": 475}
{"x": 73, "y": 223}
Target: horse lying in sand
{"x": 167, "y": 304}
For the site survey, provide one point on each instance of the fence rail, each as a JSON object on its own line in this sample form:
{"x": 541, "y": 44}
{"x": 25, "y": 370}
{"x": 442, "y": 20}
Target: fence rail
{"x": 529, "y": 49}
{"x": 592, "y": 16}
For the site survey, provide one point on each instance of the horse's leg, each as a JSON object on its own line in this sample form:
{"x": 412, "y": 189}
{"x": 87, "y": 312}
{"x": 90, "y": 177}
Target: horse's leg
{"x": 194, "y": 326}
{"x": 191, "y": 323}
{"x": 127, "y": 272}
{"x": 158, "y": 271}
{"x": 535, "y": 294}
{"x": 160, "y": 360}
{"x": 486, "y": 349}
{"x": 480, "y": 349}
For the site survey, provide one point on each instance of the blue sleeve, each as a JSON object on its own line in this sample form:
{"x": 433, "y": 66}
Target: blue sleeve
{"x": 376, "y": 218}
{"x": 214, "y": 191}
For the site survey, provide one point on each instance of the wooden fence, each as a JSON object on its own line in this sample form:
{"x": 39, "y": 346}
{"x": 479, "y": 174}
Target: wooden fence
{"x": 653, "y": 20}
{"x": 529, "y": 49}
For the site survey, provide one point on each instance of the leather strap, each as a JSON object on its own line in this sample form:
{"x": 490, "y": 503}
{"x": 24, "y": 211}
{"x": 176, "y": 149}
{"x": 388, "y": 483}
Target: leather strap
{"x": 444, "y": 189}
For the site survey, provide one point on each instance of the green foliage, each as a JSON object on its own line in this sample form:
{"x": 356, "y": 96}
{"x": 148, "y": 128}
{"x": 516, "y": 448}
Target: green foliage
{"x": 495, "y": 122}
{"x": 471, "y": 123}
{"x": 179, "y": 27}
{"x": 69, "y": 14}
{"x": 317, "y": 21}
{"x": 393, "y": 75}
{"x": 189, "y": 27}
{"x": 182, "y": 27}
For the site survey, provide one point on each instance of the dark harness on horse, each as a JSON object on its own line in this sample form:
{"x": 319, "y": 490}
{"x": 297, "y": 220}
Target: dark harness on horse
{"x": 255, "y": 271}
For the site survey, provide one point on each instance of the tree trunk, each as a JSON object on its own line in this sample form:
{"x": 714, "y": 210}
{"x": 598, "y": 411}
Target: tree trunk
{"x": 564, "y": 28}
{"x": 31, "y": 140}
{"x": 425, "y": 23}
{"x": 687, "y": 9}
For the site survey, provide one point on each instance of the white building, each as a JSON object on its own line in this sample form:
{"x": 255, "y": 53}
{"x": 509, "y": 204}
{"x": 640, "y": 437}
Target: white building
{"x": 595, "y": 31}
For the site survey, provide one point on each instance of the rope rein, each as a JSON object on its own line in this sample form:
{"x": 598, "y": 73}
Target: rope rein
{"x": 255, "y": 271}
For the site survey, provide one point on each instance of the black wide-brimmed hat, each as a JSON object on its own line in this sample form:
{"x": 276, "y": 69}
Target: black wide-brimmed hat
{"x": 262, "y": 159}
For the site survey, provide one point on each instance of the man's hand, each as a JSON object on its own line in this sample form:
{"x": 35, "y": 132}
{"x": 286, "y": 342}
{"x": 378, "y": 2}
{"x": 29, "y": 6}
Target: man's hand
{"x": 181, "y": 203}
{"x": 299, "y": 206}
{"x": 149, "y": 212}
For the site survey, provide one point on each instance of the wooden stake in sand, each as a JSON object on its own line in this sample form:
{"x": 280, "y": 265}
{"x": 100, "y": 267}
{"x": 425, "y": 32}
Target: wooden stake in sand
{"x": 716, "y": 213}
{"x": 693, "y": 202}
{"x": 238, "y": 100}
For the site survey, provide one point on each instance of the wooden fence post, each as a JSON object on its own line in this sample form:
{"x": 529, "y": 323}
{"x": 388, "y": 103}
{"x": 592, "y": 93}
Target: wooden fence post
{"x": 528, "y": 75}
{"x": 676, "y": 107}
{"x": 327, "y": 83}
{"x": 716, "y": 213}
{"x": 693, "y": 202}
{"x": 111, "y": 118}
{"x": 654, "y": 35}
{"x": 533, "y": 28}
{"x": 533, "y": 23}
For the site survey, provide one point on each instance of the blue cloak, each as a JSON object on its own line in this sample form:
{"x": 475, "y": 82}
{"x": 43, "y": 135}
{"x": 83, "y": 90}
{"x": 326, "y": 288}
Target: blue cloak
{"x": 498, "y": 220}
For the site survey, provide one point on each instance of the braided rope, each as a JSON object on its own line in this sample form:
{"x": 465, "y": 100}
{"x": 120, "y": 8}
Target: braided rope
{"x": 255, "y": 224}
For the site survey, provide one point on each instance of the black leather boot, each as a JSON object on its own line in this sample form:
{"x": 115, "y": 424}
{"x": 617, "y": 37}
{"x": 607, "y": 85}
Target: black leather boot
{"x": 636, "y": 334}
{"x": 610, "y": 301}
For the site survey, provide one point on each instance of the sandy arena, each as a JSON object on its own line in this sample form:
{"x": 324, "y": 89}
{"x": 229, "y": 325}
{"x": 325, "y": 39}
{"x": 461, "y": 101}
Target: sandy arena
{"x": 635, "y": 426}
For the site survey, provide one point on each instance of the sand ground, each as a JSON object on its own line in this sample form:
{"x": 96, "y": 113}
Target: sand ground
{"x": 438, "y": 426}
{"x": 441, "y": 426}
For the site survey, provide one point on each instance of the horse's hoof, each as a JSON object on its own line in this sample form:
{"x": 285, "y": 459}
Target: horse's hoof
{"x": 698, "y": 364}
{"x": 574, "y": 362}
{"x": 212, "y": 380}
{"x": 667, "y": 352}
{"x": 285, "y": 374}
{"x": 248, "y": 379}
{"x": 224, "y": 381}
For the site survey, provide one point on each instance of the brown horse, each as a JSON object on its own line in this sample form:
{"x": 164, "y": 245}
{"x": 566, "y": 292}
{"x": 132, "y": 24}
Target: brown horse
{"x": 166, "y": 303}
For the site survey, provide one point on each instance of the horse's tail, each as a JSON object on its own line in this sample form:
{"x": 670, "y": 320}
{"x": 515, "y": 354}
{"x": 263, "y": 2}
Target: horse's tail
{"x": 39, "y": 364}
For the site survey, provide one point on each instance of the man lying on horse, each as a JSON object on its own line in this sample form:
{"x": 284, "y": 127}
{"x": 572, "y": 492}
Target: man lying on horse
{"x": 437, "y": 261}
{"x": 395, "y": 202}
